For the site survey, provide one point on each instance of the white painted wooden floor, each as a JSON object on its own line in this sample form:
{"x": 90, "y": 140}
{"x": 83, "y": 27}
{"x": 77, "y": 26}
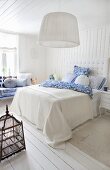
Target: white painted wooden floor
{"x": 39, "y": 155}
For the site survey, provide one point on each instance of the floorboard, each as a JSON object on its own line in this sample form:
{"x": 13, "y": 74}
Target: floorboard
{"x": 5, "y": 165}
{"x": 60, "y": 164}
{"x": 78, "y": 159}
{"x": 25, "y": 161}
{"x": 39, "y": 155}
{"x": 60, "y": 154}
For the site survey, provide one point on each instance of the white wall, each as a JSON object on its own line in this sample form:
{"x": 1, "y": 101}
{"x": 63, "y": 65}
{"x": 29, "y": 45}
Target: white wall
{"x": 94, "y": 49}
{"x": 31, "y": 56}
{"x": 41, "y": 62}
{"x": 94, "y": 26}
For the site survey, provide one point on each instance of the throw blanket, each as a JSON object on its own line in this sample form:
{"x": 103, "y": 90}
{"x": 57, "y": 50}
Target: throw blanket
{"x": 7, "y": 92}
{"x": 66, "y": 85}
{"x": 55, "y": 111}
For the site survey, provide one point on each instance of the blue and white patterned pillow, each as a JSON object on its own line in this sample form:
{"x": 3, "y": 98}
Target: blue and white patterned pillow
{"x": 81, "y": 71}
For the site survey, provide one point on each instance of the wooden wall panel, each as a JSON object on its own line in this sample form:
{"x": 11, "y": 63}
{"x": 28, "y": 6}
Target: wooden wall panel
{"x": 93, "y": 52}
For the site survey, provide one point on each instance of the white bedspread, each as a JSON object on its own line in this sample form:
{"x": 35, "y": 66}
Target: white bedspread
{"x": 55, "y": 111}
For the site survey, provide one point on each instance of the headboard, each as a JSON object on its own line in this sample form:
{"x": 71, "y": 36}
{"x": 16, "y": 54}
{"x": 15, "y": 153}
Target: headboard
{"x": 98, "y": 67}
{"x": 64, "y": 64}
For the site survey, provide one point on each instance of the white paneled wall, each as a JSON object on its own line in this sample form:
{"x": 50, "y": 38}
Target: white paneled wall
{"x": 93, "y": 51}
{"x": 31, "y": 56}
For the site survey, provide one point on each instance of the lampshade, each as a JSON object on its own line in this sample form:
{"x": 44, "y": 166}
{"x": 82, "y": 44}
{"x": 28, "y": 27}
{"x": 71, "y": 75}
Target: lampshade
{"x": 59, "y": 30}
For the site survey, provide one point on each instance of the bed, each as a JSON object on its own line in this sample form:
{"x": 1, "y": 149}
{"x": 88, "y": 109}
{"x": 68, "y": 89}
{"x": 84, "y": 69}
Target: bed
{"x": 54, "y": 111}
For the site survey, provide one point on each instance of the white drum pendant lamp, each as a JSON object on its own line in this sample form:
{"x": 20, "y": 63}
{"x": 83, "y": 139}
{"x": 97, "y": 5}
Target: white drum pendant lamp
{"x": 59, "y": 30}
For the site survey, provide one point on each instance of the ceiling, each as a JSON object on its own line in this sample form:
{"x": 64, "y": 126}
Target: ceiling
{"x": 25, "y": 16}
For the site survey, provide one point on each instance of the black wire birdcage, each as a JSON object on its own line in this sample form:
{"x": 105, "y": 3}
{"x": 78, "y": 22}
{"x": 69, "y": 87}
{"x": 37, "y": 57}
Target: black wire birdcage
{"x": 11, "y": 135}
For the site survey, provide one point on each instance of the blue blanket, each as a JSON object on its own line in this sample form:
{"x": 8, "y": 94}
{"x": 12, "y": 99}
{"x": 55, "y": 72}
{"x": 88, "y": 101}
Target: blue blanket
{"x": 7, "y": 92}
{"x": 66, "y": 85}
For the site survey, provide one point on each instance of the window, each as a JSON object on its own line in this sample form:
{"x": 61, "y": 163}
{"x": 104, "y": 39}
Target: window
{"x": 8, "y": 55}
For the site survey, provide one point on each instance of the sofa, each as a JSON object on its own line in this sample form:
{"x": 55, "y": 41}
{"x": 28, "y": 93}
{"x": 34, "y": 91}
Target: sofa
{"x": 9, "y": 85}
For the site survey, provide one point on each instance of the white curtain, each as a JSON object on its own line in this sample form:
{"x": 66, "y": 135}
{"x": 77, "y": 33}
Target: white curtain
{"x": 8, "y": 61}
{"x": 8, "y": 54}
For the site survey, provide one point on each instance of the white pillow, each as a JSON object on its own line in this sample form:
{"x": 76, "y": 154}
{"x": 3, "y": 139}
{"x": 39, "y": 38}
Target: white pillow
{"x": 83, "y": 80}
{"x": 26, "y": 76}
{"x": 68, "y": 78}
{"x": 21, "y": 82}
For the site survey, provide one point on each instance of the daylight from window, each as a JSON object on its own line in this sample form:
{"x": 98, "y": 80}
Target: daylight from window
{"x": 8, "y": 54}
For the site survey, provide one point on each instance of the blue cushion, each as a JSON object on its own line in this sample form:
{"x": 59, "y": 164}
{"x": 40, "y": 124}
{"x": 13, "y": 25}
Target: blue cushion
{"x": 21, "y": 82}
{"x": 81, "y": 71}
{"x": 10, "y": 82}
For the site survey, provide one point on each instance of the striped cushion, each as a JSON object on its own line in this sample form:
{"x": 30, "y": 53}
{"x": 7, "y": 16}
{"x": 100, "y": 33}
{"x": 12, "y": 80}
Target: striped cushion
{"x": 102, "y": 83}
{"x": 97, "y": 82}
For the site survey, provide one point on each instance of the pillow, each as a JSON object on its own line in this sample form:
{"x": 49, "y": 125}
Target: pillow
{"x": 81, "y": 71}
{"x": 55, "y": 76}
{"x": 82, "y": 80}
{"x": 26, "y": 76}
{"x": 97, "y": 82}
{"x": 68, "y": 78}
{"x": 21, "y": 82}
{"x": 10, "y": 82}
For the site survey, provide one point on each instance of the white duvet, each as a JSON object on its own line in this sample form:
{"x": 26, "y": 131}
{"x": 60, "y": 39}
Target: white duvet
{"x": 55, "y": 111}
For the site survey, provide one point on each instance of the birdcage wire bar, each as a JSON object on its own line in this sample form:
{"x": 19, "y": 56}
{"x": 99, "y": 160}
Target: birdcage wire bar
{"x": 11, "y": 135}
